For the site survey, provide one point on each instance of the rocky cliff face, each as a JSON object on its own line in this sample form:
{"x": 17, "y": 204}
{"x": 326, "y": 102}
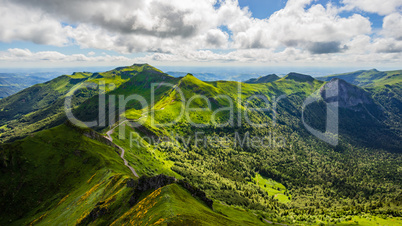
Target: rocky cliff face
{"x": 347, "y": 95}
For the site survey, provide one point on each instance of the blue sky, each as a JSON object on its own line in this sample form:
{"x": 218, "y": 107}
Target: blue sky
{"x": 52, "y": 33}
{"x": 262, "y": 8}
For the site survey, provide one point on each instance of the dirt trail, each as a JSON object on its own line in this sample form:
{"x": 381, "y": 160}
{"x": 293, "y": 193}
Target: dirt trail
{"x": 109, "y": 137}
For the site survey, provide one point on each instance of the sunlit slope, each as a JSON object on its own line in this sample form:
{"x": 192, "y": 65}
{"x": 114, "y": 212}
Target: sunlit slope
{"x": 144, "y": 86}
{"x": 173, "y": 205}
{"x": 206, "y": 100}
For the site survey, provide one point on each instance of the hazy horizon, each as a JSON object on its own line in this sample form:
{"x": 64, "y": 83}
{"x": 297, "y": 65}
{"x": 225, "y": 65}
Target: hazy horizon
{"x": 223, "y": 71}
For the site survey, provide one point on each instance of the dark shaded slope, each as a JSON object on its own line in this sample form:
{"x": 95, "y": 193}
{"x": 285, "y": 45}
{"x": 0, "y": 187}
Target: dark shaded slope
{"x": 299, "y": 77}
{"x": 362, "y": 119}
{"x": 38, "y": 171}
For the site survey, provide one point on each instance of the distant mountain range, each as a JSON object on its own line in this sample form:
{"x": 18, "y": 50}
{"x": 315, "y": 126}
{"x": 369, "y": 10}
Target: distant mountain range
{"x": 12, "y": 83}
{"x": 368, "y": 78}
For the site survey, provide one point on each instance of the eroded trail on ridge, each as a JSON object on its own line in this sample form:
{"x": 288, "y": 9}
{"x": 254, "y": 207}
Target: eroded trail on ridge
{"x": 109, "y": 137}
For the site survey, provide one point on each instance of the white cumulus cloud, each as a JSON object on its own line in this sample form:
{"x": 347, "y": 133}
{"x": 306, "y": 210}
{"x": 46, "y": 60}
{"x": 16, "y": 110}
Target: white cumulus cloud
{"x": 197, "y": 31}
{"x": 375, "y": 6}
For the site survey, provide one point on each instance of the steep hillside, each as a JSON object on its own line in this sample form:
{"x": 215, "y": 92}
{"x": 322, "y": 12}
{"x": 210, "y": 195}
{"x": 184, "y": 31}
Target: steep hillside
{"x": 347, "y": 95}
{"x": 362, "y": 118}
{"x": 389, "y": 98}
{"x": 43, "y": 106}
{"x": 48, "y": 168}
{"x": 174, "y": 205}
{"x": 40, "y": 106}
{"x": 139, "y": 80}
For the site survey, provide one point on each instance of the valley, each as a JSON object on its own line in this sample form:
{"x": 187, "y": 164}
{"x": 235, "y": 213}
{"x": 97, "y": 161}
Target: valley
{"x": 244, "y": 146}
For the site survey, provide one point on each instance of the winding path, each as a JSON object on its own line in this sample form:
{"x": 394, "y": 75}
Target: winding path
{"x": 109, "y": 137}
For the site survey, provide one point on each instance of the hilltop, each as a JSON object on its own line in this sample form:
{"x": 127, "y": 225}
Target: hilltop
{"x": 263, "y": 79}
{"x": 299, "y": 77}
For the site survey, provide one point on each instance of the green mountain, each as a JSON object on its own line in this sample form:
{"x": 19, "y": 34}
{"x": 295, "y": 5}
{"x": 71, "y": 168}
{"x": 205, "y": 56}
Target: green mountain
{"x": 299, "y": 77}
{"x": 42, "y": 106}
{"x": 263, "y": 79}
{"x": 368, "y": 78}
{"x": 240, "y": 155}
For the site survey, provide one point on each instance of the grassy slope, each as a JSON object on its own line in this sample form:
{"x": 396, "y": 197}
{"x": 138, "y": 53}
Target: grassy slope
{"x": 275, "y": 189}
{"x": 145, "y": 159}
{"x": 42, "y": 106}
{"x": 173, "y": 205}
{"x": 38, "y": 171}
{"x": 169, "y": 107}
{"x": 138, "y": 81}
{"x": 38, "y": 107}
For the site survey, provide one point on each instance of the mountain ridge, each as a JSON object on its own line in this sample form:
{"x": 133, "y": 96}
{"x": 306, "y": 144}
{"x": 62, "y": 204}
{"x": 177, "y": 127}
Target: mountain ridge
{"x": 263, "y": 79}
{"x": 368, "y": 78}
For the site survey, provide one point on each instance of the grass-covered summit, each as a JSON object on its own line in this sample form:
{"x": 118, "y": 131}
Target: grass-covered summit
{"x": 263, "y": 79}
{"x": 299, "y": 77}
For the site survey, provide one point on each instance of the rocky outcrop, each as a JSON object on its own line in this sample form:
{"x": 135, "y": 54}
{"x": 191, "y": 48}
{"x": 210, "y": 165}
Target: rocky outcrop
{"x": 149, "y": 183}
{"x": 153, "y": 183}
{"x": 131, "y": 183}
{"x": 347, "y": 95}
{"x": 96, "y": 213}
{"x": 144, "y": 184}
{"x": 90, "y": 133}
